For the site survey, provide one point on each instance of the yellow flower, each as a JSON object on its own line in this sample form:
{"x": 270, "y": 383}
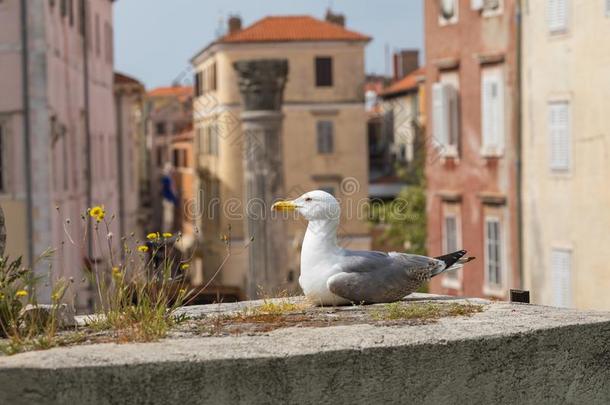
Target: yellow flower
{"x": 167, "y": 234}
{"x": 97, "y": 212}
{"x": 55, "y": 297}
{"x": 1, "y": 296}
{"x": 182, "y": 291}
{"x": 116, "y": 272}
{"x": 21, "y": 293}
{"x": 152, "y": 235}
{"x": 185, "y": 266}
{"x": 143, "y": 248}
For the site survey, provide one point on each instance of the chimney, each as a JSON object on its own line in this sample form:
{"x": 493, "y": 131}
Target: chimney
{"x": 335, "y": 18}
{"x": 405, "y": 62}
{"x": 234, "y": 24}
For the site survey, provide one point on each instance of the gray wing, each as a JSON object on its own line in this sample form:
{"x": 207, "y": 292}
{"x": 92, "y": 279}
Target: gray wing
{"x": 380, "y": 277}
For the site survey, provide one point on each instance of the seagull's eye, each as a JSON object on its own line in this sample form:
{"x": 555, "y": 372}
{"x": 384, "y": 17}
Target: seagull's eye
{"x": 308, "y": 199}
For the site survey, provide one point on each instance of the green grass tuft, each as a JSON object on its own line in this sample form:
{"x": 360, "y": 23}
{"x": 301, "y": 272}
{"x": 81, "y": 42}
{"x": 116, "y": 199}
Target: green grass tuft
{"x": 423, "y": 311}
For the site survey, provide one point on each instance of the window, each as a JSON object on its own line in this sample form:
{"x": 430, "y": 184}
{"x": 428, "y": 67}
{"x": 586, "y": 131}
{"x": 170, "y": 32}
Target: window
{"x": 160, "y": 157}
{"x": 213, "y": 77}
{"x": 197, "y": 84}
{"x": 450, "y": 240}
{"x": 493, "y": 252}
{"x": 325, "y": 137}
{"x": 324, "y": 72}
{"x": 3, "y": 176}
{"x": 161, "y": 128}
{"x": 213, "y": 140}
{"x": 63, "y": 6}
{"x": 607, "y": 7}
{"x": 370, "y": 100}
{"x": 448, "y": 12}
{"x": 179, "y": 158}
{"x": 561, "y": 263}
{"x": 445, "y": 116}
{"x": 557, "y": 15}
{"x": 559, "y": 135}
{"x": 200, "y": 141}
{"x": 492, "y": 112}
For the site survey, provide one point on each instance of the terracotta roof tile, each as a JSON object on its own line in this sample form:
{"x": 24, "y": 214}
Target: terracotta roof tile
{"x": 293, "y": 28}
{"x": 409, "y": 82}
{"x": 176, "y": 91}
{"x": 121, "y": 78}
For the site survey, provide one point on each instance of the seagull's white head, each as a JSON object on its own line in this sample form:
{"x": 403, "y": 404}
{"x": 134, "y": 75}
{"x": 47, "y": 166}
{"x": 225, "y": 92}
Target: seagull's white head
{"x": 313, "y": 206}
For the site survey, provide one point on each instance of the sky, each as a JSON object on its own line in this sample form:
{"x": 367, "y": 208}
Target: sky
{"x": 155, "y": 39}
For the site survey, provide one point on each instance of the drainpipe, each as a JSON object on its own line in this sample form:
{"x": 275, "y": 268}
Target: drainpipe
{"x": 519, "y": 141}
{"x": 25, "y": 83}
{"x": 88, "y": 167}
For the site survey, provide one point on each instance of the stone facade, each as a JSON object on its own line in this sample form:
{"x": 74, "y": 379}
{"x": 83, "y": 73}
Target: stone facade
{"x": 70, "y": 133}
{"x": 129, "y": 106}
{"x": 472, "y": 134}
{"x": 566, "y": 130}
{"x": 168, "y": 114}
{"x": 220, "y": 144}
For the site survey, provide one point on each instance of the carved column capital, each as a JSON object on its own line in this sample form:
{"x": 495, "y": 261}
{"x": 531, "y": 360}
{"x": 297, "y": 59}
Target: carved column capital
{"x": 261, "y": 83}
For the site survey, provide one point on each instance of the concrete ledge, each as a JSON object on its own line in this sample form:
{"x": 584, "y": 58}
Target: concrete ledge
{"x": 509, "y": 353}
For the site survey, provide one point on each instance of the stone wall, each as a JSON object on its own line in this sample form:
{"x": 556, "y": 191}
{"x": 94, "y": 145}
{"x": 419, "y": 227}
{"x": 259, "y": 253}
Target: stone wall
{"x": 507, "y": 354}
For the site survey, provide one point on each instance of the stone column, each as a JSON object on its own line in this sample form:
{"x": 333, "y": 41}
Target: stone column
{"x": 261, "y": 83}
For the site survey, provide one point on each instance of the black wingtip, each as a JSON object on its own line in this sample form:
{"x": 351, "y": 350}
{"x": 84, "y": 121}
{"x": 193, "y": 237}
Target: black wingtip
{"x": 451, "y": 258}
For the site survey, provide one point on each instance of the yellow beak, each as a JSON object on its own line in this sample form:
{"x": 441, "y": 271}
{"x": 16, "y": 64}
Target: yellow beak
{"x": 284, "y": 206}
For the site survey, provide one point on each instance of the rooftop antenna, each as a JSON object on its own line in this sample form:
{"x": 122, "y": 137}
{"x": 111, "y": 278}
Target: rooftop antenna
{"x": 221, "y": 28}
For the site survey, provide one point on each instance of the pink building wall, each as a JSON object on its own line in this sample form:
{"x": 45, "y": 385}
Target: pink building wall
{"x": 58, "y": 128}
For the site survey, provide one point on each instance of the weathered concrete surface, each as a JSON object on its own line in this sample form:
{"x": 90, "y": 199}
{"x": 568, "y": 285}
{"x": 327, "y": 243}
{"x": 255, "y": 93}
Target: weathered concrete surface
{"x": 509, "y": 354}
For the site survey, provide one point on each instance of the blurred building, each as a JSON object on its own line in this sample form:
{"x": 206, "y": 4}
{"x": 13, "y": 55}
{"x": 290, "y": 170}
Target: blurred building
{"x": 324, "y": 131}
{"x": 402, "y": 106}
{"x": 169, "y": 114}
{"x": 183, "y": 163}
{"x": 57, "y": 130}
{"x": 131, "y": 151}
{"x": 472, "y": 157}
{"x": 566, "y": 131}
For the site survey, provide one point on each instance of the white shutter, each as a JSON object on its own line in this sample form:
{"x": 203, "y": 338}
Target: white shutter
{"x": 607, "y": 4}
{"x": 439, "y": 113}
{"x": 453, "y": 115}
{"x": 557, "y": 14}
{"x": 498, "y": 94}
{"x": 486, "y": 111}
{"x": 562, "y": 277}
{"x": 559, "y": 136}
{"x": 492, "y": 111}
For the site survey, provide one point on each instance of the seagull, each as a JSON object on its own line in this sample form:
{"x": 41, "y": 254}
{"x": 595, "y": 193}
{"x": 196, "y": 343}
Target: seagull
{"x": 332, "y": 275}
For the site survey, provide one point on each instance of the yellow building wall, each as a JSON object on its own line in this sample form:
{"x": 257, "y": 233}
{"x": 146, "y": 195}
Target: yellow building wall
{"x": 567, "y": 210}
{"x": 346, "y": 170}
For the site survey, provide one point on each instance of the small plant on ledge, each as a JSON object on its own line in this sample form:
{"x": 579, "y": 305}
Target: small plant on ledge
{"x": 137, "y": 291}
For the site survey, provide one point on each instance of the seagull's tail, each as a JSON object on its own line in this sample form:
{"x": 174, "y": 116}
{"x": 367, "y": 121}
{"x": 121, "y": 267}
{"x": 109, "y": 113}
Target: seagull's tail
{"x": 453, "y": 260}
